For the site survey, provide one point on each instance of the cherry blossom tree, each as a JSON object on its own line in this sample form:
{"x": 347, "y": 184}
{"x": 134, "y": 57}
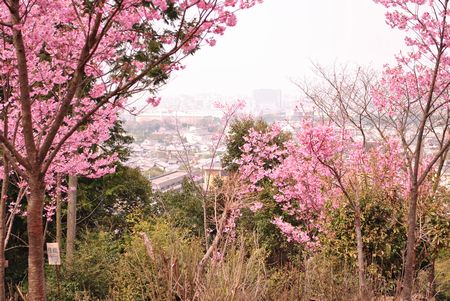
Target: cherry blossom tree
{"x": 65, "y": 64}
{"x": 415, "y": 92}
{"x": 342, "y": 98}
{"x": 354, "y": 99}
{"x": 71, "y": 160}
{"x": 321, "y": 164}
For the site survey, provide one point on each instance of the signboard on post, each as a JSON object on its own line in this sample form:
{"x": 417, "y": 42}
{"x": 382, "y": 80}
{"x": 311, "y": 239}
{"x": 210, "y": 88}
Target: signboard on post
{"x": 53, "y": 253}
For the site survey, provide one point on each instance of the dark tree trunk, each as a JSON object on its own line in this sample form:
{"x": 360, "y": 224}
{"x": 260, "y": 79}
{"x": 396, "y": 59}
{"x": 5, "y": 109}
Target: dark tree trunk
{"x": 36, "y": 279}
{"x": 408, "y": 279}
{"x": 58, "y": 210}
{"x": 3, "y": 197}
{"x": 2, "y": 252}
{"x": 71, "y": 218}
{"x": 363, "y": 291}
{"x": 431, "y": 291}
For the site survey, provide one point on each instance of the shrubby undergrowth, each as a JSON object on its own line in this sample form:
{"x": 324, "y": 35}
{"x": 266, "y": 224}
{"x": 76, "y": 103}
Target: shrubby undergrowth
{"x": 108, "y": 268}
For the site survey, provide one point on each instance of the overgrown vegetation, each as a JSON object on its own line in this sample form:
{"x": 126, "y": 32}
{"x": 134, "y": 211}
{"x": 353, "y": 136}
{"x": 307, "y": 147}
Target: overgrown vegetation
{"x": 135, "y": 244}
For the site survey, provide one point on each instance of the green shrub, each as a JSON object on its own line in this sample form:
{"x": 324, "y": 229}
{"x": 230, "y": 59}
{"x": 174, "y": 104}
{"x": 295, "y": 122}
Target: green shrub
{"x": 91, "y": 272}
{"x": 443, "y": 276}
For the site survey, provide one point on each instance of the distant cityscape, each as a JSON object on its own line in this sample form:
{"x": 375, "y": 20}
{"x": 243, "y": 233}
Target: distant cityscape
{"x": 177, "y": 139}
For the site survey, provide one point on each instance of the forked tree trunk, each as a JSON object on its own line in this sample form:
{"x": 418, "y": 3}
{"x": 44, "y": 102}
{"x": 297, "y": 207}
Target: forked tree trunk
{"x": 36, "y": 280}
{"x": 71, "y": 218}
{"x": 408, "y": 279}
{"x": 363, "y": 290}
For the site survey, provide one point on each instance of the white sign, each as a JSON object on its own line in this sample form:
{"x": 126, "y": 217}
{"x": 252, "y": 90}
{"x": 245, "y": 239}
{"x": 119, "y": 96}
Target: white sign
{"x": 53, "y": 253}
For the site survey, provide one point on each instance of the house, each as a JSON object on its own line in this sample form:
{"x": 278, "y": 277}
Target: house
{"x": 212, "y": 172}
{"x": 172, "y": 180}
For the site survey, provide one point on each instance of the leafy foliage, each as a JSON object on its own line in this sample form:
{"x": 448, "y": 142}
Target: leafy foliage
{"x": 93, "y": 269}
{"x": 183, "y": 208}
{"x": 106, "y": 202}
{"x": 239, "y": 129}
{"x": 384, "y": 238}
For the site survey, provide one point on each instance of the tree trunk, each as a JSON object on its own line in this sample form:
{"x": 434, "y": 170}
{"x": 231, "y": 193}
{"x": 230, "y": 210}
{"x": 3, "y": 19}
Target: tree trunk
{"x": 363, "y": 291}
{"x": 214, "y": 244}
{"x": 408, "y": 278}
{"x": 36, "y": 280}
{"x": 4, "y": 196}
{"x": 58, "y": 210}
{"x": 2, "y": 252}
{"x": 431, "y": 291}
{"x": 71, "y": 218}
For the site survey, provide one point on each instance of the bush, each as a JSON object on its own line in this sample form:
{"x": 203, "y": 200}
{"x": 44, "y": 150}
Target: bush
{"x": 167, "y": 273}
{"x": 384, "y": 237}
{"x": 91, "y": 272}
{"x": 443, "y": 276}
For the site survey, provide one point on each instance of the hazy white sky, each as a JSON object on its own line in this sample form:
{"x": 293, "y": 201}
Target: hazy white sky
{"x": 278, "y": 39}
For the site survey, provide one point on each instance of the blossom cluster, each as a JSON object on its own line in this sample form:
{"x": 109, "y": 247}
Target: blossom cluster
{"x": 319, "y": 164}
{"x": 68, "y": 67}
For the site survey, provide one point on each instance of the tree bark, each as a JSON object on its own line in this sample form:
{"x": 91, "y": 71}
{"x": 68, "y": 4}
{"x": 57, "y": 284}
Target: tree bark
{"x": 71, "y": 218}
{"x": 431, "y": 291}
{"x": 214, "y": 244}
{"x": 408, "y": 279}
{"x": 4, "y": 195}
{"x": 36, "y": 278}
{"x": 58, "y": 210}
{"x": 363, "y": 291}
